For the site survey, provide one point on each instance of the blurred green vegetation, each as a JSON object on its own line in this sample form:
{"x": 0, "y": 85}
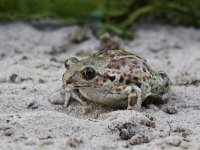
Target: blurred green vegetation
{"x": 117, "y": 16}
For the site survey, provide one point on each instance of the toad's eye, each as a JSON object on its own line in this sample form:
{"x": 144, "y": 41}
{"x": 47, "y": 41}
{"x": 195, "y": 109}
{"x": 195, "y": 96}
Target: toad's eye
{"x": 88, "y": 73}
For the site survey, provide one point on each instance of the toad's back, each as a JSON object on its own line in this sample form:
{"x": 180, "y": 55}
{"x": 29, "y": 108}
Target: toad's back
{"x": 120, "y": 62}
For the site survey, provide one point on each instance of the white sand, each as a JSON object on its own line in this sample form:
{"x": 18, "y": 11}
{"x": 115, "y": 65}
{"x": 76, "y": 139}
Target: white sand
{"x": 29, "y": 121}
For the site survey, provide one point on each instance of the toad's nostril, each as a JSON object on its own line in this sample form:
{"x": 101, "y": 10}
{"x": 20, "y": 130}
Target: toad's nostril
{"x": 69, "y": 81}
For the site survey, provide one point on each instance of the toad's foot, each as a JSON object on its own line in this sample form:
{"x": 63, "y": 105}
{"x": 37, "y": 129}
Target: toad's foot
{"x": 68, "y": 94}
{"x": 134, "y": 99}
{"x": 63, "y": 96}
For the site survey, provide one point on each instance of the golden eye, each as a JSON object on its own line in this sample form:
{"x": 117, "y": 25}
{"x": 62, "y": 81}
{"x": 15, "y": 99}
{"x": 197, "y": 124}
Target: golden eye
{"x": 88, "y": 73}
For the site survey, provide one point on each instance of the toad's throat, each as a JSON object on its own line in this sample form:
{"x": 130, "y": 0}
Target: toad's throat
{"x": 104, "y": 96}
{"x": 99, "y": 90}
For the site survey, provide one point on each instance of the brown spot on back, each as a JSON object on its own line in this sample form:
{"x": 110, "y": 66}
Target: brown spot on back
{"x": 118, "y": 89}
{"x": 122, "y": 61}
{"x": 121, "y": 79}
{"x": 128, "y": 81}
{"x": 117, "y": 63}
{"x": 145, "y": 78}
{"x": 129, "y": 75}
{"x": 132, "y": 101}
{"x": 135, "y": 62}
{"x": 106, "y": 76}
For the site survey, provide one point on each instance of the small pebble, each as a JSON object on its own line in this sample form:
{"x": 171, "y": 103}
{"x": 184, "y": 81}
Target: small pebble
{"x": 74, "y": 142}
{"x": 108, "y": 42}
{"x": 15, "y": 78}
{"x": 32, "y": 104}
{"x": 53, "y": 59}
{"x": 8, "y": 132}
{"x": 80, "y": 34}
{"x": 170, "y": 109}
{"x": 24, "y": 58}
{"x": 138, "y": 139}
{"x": 41, "y": 81}
{"x": 125, "y": 135}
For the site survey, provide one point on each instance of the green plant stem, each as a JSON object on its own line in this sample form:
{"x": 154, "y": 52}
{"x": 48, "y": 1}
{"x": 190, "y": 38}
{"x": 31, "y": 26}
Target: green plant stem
{"x": 137, "y": 14}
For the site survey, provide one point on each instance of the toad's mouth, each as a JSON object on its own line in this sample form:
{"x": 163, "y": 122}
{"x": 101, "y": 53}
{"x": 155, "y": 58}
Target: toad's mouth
{"x": 76, "y": 86}
{"x": 79, "y": 86}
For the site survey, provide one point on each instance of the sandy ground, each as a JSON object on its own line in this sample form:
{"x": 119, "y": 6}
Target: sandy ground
{"x": 31, "y": 71}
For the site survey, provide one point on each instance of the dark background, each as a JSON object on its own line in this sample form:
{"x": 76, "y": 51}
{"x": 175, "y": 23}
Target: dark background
{"x": 116, "y": 16}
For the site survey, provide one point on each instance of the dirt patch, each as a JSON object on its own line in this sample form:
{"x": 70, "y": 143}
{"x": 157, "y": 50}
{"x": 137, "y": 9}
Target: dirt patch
{"x": 32, "y": 64}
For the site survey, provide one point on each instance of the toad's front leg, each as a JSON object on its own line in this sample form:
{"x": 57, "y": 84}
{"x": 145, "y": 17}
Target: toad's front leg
{"x": 134, "y": 97}
{"x": 68, "y": 93}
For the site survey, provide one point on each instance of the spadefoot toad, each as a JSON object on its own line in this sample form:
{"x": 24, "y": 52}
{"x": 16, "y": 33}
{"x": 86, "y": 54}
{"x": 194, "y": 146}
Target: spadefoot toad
{"x": 114, "y": 77}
